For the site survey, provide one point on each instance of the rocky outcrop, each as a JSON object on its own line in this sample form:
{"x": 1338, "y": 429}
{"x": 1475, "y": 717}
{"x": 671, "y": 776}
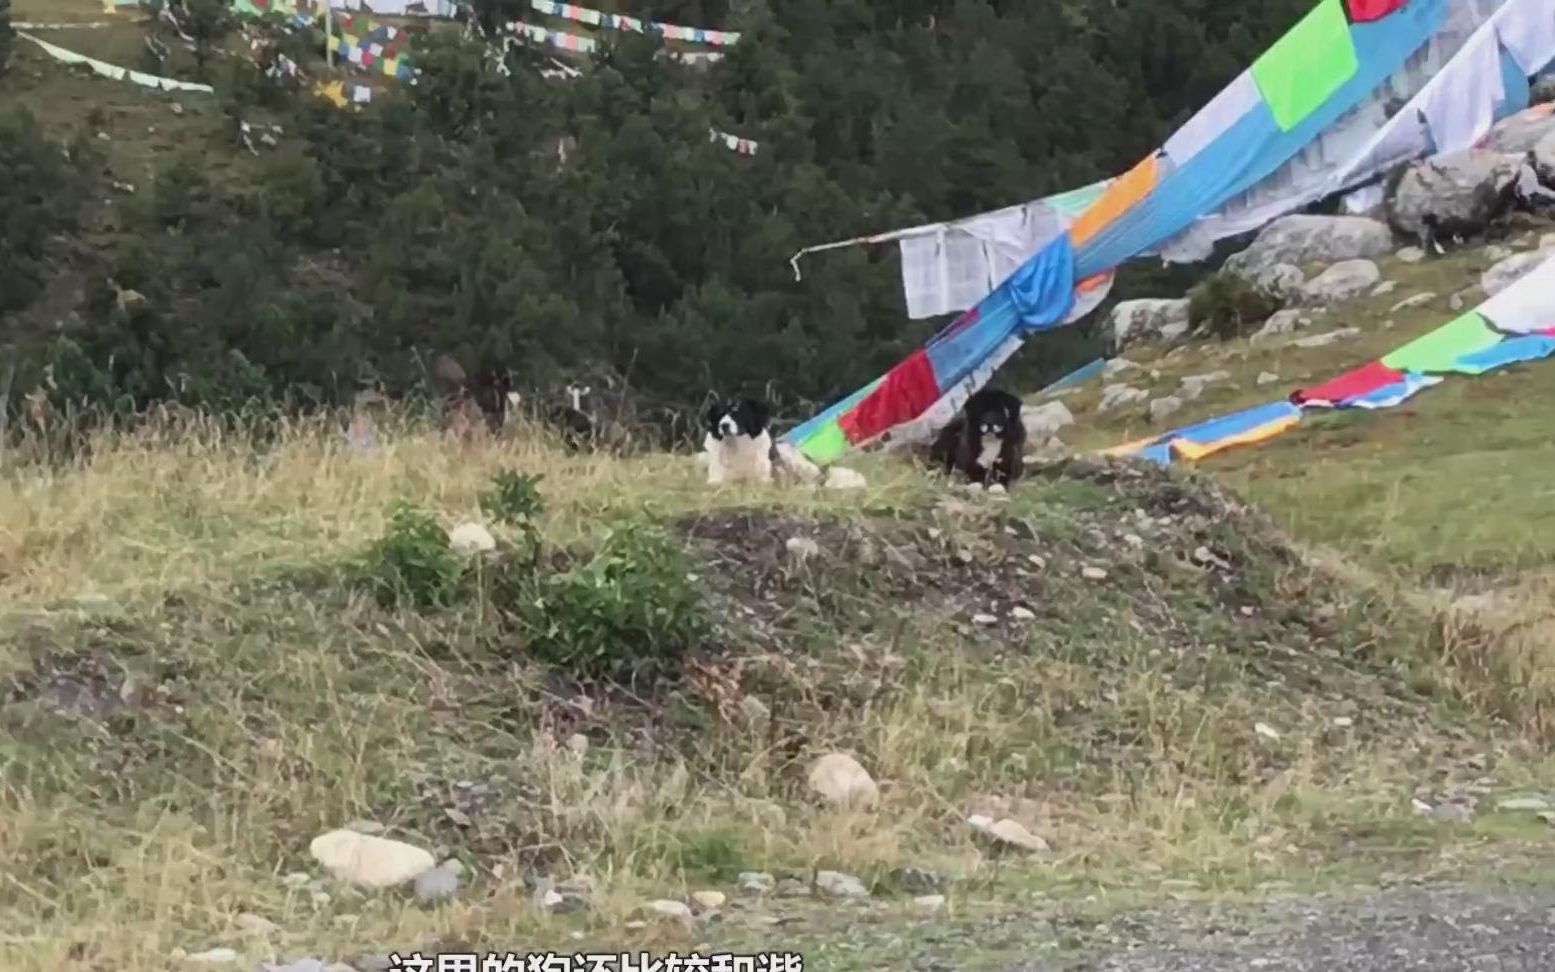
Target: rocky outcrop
{"x": 1544, "y": 158}
{"x": 1302, "y": 239}
{"x": 1464, "y": 191}
{"x": 1342, "y": 281}
{"x": 1147, "y": 322}
{"x": 1507, "y": 272}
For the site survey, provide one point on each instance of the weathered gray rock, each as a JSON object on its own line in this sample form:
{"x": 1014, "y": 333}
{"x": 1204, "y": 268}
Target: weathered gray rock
{"x": 1519, "y": 134}
{"x": 1045, "y": 420}
{"x": 1193, "y": 385}
{"x": 1510, "y": 270}
{"x": 1384, "y": 288}
{"x": 1282, "y": 281}
{"x": 1163, "y": 408}
{"x": 1410, "y": 303}
{"x": 840, "y": 780}
{"x": 1282, "y": 322}
{"x": 1148, "y": 321}
{"x": 1544, "y": 158}
{"x": 1411, "y": 254}
{"x": 1342, "y": 281}
{"x": 1461, "y": 189}
{"x": 438, "y": 884}
{"x": 1116, "y": 366}
{"x": 1327, "y": 338}
{"x": 1300, "y": 239}
{"x": 755, "y": 882}
{"x": 1267, "y": 378}
{"x": 835, "y": 884}
{"x": 1115, "y": 396}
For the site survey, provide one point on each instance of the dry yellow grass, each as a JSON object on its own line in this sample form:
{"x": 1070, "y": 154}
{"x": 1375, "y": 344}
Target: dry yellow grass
{"x": 268, "y": 709}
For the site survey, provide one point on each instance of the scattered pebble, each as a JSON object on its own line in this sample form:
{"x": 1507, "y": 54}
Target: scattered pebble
{"x": 1022, "y": 614}
{"x": 928, "y": 903}
{"x": 1008, "y": 832}
{"x": 1267, "y": 378}
{"x": 214, "y": 956}
{"x": 984, "y": 619}
{"x": 1265, "y": 730}
{"x": 1343, "y": 722}
{"x": 471, "y": 538}
{"x": 839, "y": 779}
{"x": 802, "y": 548}
{"x": 1523, "y": 804}
{"x": 835, "y": 884}
{"x": 255, "y": 924}
{"x": 1093, "y": 573}
{"x": 755, "y": 882}
{"x": 708, "y": 900}
{"x": 666, "y": 908}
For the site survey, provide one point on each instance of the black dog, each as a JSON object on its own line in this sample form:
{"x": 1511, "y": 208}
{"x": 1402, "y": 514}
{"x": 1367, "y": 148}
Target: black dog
{"x": 985, "y": 442}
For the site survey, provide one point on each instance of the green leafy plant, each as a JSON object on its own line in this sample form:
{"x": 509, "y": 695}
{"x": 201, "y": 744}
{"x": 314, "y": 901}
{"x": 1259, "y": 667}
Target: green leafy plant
{"x": 1227, "y": 305}
{"x": 413, "y": 563}
{"x": 631, "y": 612}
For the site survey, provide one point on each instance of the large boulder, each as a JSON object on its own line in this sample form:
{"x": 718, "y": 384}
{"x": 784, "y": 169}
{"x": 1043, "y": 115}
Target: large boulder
{"x": 1519, "y": 134}
{"x": 1506, "y": 272}
{"x": 1544, "y": 158}
{"x": 1302, "y": 239}
{"x": 1342, "y": 281}
{"x": 1148, "y": 322}
{"x": 1465, "y": 191}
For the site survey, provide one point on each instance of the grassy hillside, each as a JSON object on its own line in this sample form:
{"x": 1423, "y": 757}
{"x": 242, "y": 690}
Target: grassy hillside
{"x": 1199, "y": 684}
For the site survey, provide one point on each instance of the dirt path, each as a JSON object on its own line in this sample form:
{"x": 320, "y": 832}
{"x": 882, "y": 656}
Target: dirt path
{"x": 1432, "y": 929}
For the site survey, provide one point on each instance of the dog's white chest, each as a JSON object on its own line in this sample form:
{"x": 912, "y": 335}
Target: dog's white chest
{"x": 990, "y": 453}
{"x": 739, "y": 457}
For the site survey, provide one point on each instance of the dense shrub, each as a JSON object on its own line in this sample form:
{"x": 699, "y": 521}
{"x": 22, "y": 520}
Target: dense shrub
{"x": 1228, "y": 305}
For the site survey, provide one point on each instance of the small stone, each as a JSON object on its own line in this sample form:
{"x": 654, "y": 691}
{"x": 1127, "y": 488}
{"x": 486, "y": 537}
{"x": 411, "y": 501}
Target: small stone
{"x": 1421, "y": 808}
{"x": 436, "y": 885}
{"x": 835, "y": 884}
{"x": 1411, "y": 254}
{"x": 471, "y": 538}
{"x": 1410, "y": 303}
{"x": 457, "y": 816}
{"x": 754, "y": 710}
{"x": 635, "y": 925}
{"x": 841, "y": 780}
{"x": 1265, "y": 730}
{"x": 1343, "y": 722}
{"x": 755, "y": 882}
{"x": 665, "y": 908}
{"x": 176, "y": 108}
{"x": 1384, "y": 288}
{"x": 1022, "y": 614}
{"x": 839, "y": 477}
{"x": 1267, "y": 378}
{"x": 214, "y": 956}
{"x": 1455, "y": 302}
{"x": 1008, "y": 832}
{"x": 371, "y": 861}
{"x": 578, "y": 743}
{"x": 917, "y": 880}
{"x": 1325, "y": 339}
{"x": 255, "y": 924}
{"x": 1163, "y": 408}
{"x": 708, "y": 900}
{"x": 1523, "y": 805}
{"x": 984, "y": 619}
{"x": 802, "y": 549}
{"x": 928, "y": 904}
{"x": 1093, "y": 573}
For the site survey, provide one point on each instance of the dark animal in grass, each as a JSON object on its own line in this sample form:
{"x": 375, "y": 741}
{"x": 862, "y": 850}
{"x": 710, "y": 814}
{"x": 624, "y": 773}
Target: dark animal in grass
{"x": 985, "y": 442}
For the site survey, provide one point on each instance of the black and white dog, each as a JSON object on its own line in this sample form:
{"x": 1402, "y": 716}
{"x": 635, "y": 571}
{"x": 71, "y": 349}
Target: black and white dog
{"x": 985, "y": 442}
{"x": 738, "y": 443}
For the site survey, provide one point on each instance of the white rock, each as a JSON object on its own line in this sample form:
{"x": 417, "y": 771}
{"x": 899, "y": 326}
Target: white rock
{"x": 363, "y": 859}
{"x": 928, "y": 904}
{"x": 1022, "y": 614}
{"x": 1163, "y": 408}
{"x": 471, "y": 538}
{"x": 1266, "y": 731}
{"x": 1113, "y": 396}
{"x": 1280, "y": 322}
{"x": 792, "y": 464}
{"x": 436, "y": 885}
{"x": 255, "y": 924}
{"x": 984, "y": 619}
{"x": 1343, "y": 722}
{"x": 1326, "y": 338}
{"x": 1342, "y": 281}
{"x": 1147, "y": 321}
{"x": 1008, "y": 832}
{"x": 578, "y": 744}
{"x": 709, "y": 900}
{"x": 839, "y": 779}
{"x": 1411, "y": 254}
{"x": 1093, "y": 573}
{"x": 1044, "y": 420}
{"x": 1300, "y": 239}
{"x": 1524, "y": 804}
{"x": 1384, "y": 288}
{"x": 1409, "y": 303}
{"x": 840, "y": 477}
{"x": 802, "y": 548}
{"x": 214, "y": 956}
{"x": 1116, "y": 366}
{"x": 755, "y": 882}
{"x": 665, "y": 908}
{"x": 1282, "y": 281}
{"x": 1510, "y": 270}
{"x": 1267, "y": 378}
{"x": 835, "y": 884}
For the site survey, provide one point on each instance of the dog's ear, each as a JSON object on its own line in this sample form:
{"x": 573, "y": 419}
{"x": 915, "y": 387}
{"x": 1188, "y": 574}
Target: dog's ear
{"x": 760, "y": 414}
{"x": 710, "y": 417}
